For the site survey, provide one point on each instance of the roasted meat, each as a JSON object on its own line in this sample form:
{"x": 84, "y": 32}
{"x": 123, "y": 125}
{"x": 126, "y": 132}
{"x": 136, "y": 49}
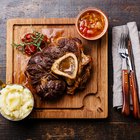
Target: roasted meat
{"x": 51, "y": 83}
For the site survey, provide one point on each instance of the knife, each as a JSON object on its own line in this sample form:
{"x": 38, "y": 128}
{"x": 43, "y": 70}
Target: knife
{"x": 125, "y": 89}
{"x": 133, "y": 81}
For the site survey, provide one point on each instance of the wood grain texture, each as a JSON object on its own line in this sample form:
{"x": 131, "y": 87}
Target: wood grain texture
{"x": 116, "y": 126}
{"x": 89, "y": 103}
{"x": 125, "y": 92}
{"x": 134, "y": 94}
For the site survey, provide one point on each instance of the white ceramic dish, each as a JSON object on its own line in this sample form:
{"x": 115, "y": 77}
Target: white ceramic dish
{"x": 10, "y": 98}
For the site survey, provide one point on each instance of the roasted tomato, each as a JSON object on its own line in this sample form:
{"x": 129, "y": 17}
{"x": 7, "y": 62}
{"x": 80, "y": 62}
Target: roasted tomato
{"x": 45, "y": 38}
{"x": 28, "y": 38}
{"x": 30, "y": 49}
{"x": 32, "y": 42}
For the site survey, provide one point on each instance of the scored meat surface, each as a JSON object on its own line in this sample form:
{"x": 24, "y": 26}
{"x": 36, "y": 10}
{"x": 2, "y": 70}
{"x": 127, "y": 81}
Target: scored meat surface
{"x": 49, "y": 85}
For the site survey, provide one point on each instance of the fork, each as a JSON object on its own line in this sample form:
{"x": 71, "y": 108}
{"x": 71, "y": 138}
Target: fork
{"x": 125, "y": 83}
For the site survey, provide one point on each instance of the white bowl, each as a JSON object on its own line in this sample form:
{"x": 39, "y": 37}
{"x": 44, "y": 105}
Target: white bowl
{"x": 25, "y": 115}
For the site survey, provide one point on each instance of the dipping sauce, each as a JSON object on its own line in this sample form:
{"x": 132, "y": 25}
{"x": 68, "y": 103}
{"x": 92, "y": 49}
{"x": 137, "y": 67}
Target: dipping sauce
{"x": 16, "y": 102}
{"x": 91, "y": 24}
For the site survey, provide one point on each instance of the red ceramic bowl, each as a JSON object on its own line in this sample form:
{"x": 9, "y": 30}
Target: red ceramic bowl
{"x": 90, "y": 11}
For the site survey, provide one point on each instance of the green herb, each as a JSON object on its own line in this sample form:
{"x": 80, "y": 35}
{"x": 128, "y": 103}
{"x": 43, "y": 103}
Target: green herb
{"x": 34, "y": 38}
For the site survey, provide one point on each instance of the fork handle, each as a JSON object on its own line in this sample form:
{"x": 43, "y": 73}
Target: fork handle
{"x": 134, "y": 93}
{"x": 125, "y": 91}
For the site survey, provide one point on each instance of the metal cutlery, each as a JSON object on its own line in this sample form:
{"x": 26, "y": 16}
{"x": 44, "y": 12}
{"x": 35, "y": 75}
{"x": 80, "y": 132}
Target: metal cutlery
{"x": 133, "y": 80}
{"x": 126, "y": 52}
{"x": 125, "y": 79}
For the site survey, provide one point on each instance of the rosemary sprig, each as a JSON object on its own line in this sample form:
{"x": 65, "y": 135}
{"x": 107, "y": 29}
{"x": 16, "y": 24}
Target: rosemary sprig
{"x": 35, "y": 39}
{"x": 20, "y": 46}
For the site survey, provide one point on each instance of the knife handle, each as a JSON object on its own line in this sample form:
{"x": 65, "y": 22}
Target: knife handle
{"x": 134, "y": 93}
{"x": 125, "y": 91}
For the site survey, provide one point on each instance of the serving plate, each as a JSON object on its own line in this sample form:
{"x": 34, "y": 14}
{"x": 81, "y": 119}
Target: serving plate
{"x": 89, "y": 103}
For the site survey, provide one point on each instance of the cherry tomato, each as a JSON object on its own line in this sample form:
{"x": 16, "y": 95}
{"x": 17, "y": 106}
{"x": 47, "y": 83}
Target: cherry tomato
{"x": 42, "y": 45}
{"x": 30, "y": 49}
{"x": 45, "y": 39}
{"x": 28, "y": 37}
{"x": 23, "y": 39}
{"x": 44, "y": 42}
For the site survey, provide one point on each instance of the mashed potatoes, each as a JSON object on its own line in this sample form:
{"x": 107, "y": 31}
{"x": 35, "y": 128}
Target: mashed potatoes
{"x": 16, "y": 102}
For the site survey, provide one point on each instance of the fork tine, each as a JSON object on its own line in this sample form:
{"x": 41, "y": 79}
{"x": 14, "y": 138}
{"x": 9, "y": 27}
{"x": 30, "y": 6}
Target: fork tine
{"x": 122, "y": 41}
{"x": 122, "y": 44}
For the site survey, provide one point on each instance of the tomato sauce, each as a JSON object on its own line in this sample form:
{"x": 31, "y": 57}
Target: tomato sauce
{"x": 91, "y": 24}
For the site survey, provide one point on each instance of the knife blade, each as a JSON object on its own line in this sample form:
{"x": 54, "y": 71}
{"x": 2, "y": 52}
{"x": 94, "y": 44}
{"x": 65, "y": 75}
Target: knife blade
{"x": 133, "y": 81}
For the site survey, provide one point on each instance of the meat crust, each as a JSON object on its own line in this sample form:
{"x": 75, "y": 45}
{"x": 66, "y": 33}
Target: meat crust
{"x": 49, "y": 85}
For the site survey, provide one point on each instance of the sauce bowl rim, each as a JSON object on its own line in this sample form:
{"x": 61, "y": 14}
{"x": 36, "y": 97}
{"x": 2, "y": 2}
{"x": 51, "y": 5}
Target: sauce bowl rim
{"x": 99, "y": 11}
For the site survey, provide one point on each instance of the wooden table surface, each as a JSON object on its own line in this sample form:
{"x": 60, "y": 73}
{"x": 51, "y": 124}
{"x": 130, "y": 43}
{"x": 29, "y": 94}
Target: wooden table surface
{"x": 115, "y": 126}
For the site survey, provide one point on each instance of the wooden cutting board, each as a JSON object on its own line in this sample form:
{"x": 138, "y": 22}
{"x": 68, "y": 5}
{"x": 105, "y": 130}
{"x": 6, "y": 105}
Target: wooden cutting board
{"x": 90, "y": 103}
